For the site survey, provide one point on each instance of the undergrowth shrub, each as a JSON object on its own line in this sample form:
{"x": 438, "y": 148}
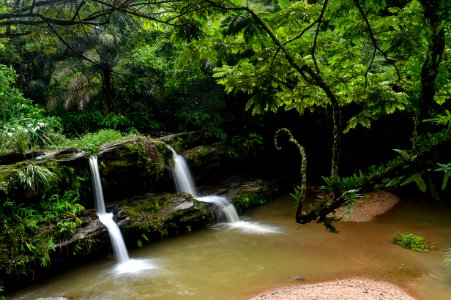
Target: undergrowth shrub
{"x": 81, "y": 122}
{"x": 91, "y": 142}
{"x": 23, "y": 125}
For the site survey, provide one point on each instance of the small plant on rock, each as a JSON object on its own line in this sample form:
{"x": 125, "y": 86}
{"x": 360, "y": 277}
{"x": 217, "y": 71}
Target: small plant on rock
{"x": 412, "y": 241}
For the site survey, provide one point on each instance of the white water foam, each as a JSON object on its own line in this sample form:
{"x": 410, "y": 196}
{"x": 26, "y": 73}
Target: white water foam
{"x": 226, "y": 210}
{"x": 135, "y": 266}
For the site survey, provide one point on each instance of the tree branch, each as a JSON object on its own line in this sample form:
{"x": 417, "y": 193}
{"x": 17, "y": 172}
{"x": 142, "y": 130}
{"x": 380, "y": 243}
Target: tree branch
{"x": 301, "y": 190}
{"x": 70, "y": 47}
{"x": 373, "y": 39}
{"x": 316, "y": 34}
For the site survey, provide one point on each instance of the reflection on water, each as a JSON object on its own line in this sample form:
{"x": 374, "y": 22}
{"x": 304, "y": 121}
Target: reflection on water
{"x": 230, "y": 263}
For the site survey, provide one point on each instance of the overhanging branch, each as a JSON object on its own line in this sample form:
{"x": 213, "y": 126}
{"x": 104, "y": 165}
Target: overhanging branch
{"x": 374, "y": 41}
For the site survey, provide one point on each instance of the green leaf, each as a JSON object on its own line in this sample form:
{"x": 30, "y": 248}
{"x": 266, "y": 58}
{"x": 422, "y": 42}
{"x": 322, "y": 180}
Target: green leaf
{"x": 283, "y": 4}
{"x": 445, "y": 168}
{"x": 394, "y": 10}
{"x": 403, "y": 153}
{"x": 417, "y": 179}
{"x": 445, "y": 181}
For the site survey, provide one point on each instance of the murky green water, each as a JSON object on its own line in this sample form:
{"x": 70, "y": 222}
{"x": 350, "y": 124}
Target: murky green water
{"x": 224, "y": 263}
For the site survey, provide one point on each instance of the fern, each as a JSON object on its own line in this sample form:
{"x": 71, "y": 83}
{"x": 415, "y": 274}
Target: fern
{"x": 34, "y": 176}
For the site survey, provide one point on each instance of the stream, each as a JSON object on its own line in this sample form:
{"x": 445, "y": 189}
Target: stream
{"x": 227, "y": 262}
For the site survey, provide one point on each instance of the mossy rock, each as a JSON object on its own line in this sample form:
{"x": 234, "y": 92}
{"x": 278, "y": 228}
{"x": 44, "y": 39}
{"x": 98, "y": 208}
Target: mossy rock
{"x": 210, "y": 163}
{"x": 205, "y": 157}
{"x": 252, "y": 193}
{"x": 54, "y": 161}
{"x": 45, "y": 254}
{"x": 187, "y": 140}
{"x": 153, "y": 217}
{"x": 133, "y": 167}
{"x": 127, "y": 168}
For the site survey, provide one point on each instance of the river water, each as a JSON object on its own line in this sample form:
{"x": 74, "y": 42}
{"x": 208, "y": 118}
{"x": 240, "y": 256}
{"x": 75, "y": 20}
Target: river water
{"x": 226, "y": 262}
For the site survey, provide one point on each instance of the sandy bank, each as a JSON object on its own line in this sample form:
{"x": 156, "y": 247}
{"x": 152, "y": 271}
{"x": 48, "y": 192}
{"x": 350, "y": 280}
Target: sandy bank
{"x": 370, "y": 206}
{"x": 348, "y": 289}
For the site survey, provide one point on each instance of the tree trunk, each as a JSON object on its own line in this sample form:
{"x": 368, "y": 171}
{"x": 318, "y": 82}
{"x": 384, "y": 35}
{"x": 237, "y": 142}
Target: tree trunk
{"x": 336, "y": 144}
{"x": 107, "y": 90}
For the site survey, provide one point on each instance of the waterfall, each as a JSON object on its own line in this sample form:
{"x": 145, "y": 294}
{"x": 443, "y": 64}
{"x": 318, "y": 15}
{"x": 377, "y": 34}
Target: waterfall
{"x": 182, "y": 175}
{"x": 120, "y": 251}
{"x": 184, "y": 183}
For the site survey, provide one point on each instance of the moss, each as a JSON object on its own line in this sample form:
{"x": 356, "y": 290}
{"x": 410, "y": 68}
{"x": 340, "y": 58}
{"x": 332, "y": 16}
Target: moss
{"x": 144, "y": 211}
{"x": 153, "y": 159}
{"x": 164, "y": 152}
{"x": 84, "y": 247}
{"x": 158, "y": 216}
{"x": 253, "y": 194}
{"x": 247, "y": 200}
{"x": 8, "y": 175}
{"x": 204, "y": 158}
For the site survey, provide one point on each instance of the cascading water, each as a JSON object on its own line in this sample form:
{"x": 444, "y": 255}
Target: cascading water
{"x": 126, "y": 265}
{"x": 226, "y": 211}
{"x": 184, "y": 183}
{"x": 120, "y": 251}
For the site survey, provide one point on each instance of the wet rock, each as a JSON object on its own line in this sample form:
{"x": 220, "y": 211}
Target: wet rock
{"x": 246, "y": 193}
{"x": 187, "y": 140}
{"x": 133, "y": 167}
{"x": 299, "y": 278}
{"x": 158, "y": 216}
{"x": 64, "y": 155}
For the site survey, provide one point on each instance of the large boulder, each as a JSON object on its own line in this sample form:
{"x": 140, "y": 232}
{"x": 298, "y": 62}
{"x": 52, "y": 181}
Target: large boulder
{"x": 252, "y": 192}
{"x": 134, "y": 167}
{"x": 154, "y": 217}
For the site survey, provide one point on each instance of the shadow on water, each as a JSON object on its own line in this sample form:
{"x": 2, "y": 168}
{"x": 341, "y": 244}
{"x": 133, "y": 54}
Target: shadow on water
{"x": 228, "y": 263}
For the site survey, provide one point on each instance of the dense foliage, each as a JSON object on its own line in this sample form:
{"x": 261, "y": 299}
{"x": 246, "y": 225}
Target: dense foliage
{"x": 22, "y": 223}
